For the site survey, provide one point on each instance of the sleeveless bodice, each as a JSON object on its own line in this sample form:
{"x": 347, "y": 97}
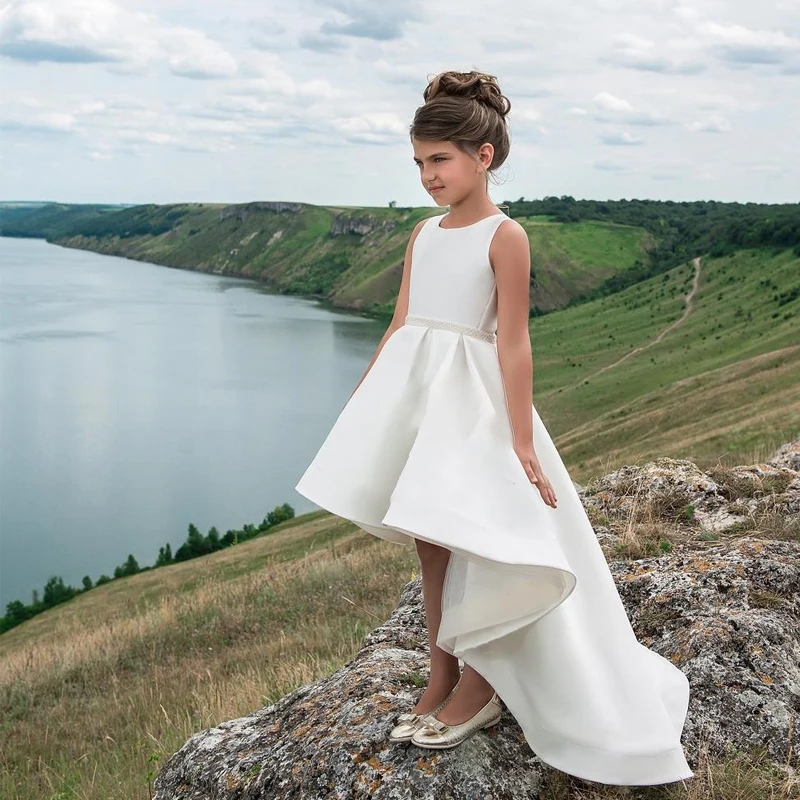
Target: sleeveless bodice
{"x": 451, "y": 277}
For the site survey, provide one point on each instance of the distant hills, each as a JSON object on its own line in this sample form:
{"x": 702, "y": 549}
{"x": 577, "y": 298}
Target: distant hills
{"x": 352, "y": 257}
{"x": 625, "y": 365}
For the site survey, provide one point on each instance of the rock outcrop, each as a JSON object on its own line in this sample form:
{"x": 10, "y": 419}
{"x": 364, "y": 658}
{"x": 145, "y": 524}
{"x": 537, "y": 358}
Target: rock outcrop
{"x": 242, "y": 210}
{"x": 719, "y": 597}
{"x": 360, "y": 224}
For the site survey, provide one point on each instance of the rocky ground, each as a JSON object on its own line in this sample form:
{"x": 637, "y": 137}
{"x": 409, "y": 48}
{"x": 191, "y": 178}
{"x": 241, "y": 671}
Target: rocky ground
{"x": 708, "y": 566}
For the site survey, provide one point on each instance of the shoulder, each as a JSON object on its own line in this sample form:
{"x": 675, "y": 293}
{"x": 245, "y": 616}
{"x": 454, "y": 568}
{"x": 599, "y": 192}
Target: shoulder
{"x": 510, "y": 240}
{"x": 416, "y": 230}
{"x": 509, "y": 231}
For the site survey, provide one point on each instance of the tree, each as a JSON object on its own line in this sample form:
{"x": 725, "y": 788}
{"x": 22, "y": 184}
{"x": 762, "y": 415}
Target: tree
{"x": 213, "y": 539}
{"x": 16, "y": 612}
{"x": 56, "y": 592}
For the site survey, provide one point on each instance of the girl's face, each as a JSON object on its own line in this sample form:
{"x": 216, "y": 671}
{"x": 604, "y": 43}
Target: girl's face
{"x": 448, "y": 174}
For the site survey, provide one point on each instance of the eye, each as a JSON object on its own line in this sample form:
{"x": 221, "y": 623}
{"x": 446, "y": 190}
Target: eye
{"x": 440, "y": 158}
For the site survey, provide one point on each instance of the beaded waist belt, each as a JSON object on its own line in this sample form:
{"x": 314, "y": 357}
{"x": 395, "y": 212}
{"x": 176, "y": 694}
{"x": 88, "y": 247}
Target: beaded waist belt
{"x": 446, "y": 324}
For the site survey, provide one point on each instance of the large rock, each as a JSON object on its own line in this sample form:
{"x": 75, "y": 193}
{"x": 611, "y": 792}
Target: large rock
{"x": 669, "y": 489}
{"x": 725, "y": 609}
{"x": 359, "y": 224}
{"x": 243, "y": 210}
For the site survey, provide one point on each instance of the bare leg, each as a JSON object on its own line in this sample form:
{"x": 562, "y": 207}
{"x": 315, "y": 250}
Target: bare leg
{"x": 444, "y": 666}
{"x": 474, "y": 691}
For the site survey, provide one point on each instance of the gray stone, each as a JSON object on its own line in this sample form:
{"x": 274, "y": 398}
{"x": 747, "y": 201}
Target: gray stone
{"x": 243, "y": 210}
{"x": 359, "y": 224}
{"x": 726, "y": 612}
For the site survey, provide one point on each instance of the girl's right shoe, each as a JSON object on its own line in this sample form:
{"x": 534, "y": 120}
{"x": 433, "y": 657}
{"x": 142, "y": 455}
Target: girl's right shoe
{"x": 434, "y": 733}
{"x": 409, "y": 722}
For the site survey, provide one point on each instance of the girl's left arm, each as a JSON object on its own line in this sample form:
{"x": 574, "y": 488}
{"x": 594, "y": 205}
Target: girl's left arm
{"x": 510, "y": 257}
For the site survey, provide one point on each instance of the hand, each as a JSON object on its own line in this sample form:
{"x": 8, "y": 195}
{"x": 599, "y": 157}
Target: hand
{"x": 533, "y": 469}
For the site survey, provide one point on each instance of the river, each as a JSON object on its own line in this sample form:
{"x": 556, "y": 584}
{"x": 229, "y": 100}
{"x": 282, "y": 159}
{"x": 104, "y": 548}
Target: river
{"x": 136, "y": 399}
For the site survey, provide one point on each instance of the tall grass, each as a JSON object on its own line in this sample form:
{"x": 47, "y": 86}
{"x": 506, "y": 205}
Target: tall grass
{"x": 92, "y": 707}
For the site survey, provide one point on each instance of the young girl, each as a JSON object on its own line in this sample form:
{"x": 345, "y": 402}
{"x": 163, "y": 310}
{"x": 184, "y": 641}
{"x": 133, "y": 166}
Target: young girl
{"x": 435, "y": 447}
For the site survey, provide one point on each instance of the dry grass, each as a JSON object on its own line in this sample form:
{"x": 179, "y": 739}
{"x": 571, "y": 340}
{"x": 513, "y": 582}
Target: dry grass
{"x": 654, "y": 524}
{"x": 93, "y": 704}
{"x": 658, "y": 522}
{"x": 737, "y": 776}
{"x": 768, "y": 524}
{"x": 734, "y": 486}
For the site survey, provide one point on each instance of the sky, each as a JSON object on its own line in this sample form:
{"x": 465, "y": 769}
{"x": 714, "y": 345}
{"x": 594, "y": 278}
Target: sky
{"x": 167, "y": 101}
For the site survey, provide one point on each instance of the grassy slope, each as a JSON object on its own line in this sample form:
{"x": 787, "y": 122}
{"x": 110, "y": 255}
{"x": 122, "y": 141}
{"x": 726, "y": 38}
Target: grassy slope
{"x": 91, "y": 689}
{"x": 723, "y": 383}
{"x": 570, "y": 260}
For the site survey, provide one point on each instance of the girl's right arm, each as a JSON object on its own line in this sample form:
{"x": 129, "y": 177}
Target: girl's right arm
{"x": 401, "y": 306}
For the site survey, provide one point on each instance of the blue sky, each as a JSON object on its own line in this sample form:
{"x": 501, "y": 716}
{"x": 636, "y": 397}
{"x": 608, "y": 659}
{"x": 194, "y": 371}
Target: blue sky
{"x": 145, "y": 101}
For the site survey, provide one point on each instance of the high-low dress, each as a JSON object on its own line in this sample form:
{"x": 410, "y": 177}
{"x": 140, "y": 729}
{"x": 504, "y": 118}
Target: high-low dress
{"x": 424, "y": 450}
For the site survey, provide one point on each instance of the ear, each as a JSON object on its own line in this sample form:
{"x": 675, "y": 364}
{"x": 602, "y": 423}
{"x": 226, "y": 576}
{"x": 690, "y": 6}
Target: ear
{"x": 486, "y": 154}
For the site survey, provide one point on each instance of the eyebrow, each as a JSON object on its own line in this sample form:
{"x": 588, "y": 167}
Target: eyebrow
{"x": 433, "y": 155}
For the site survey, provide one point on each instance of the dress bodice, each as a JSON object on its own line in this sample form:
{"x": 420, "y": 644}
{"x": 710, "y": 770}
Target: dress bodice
{"x": 451, "y": 277}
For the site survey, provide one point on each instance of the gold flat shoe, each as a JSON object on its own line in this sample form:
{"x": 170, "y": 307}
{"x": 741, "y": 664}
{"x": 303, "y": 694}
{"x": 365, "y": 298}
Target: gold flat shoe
{"x": 434, "y": 733}
{"x": 408, "y": 721}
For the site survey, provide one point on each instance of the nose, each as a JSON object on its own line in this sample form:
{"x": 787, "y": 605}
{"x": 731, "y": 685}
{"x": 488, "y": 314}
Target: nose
{"x": 428, "y": 176}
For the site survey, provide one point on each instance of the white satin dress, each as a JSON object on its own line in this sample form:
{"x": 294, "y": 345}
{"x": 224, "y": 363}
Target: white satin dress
{"x": 423, "y": 449}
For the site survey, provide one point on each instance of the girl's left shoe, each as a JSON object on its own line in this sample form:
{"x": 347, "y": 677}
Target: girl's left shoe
{"x": 434, "y": 733}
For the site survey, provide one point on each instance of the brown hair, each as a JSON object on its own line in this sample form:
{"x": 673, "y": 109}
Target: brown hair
{"x": 467, "y": 109}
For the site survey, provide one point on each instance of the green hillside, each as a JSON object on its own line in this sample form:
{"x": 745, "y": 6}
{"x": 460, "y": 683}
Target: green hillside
{"x": 724, "y": 381}
{"x": 569, "y": 260}
{"x": 351, "y": 257}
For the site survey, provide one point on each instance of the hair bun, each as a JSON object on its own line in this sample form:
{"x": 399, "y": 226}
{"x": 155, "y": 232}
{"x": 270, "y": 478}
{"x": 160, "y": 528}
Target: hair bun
{"x": 472, "y": 85}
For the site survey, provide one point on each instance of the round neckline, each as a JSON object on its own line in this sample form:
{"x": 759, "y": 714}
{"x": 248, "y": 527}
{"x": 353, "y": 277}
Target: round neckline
{"x": 464, "y": 227}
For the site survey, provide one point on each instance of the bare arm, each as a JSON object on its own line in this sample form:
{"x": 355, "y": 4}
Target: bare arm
{"x": 401, "y": 306}
{"x": 510, "y": 257}
{"x": 511, "y": 260}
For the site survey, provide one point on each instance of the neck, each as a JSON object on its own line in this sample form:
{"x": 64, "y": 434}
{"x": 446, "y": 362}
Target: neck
{"x": 469, "y": 210}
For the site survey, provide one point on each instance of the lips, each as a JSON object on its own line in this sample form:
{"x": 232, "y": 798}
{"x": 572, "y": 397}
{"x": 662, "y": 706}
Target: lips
{"x": 435, "y": 188}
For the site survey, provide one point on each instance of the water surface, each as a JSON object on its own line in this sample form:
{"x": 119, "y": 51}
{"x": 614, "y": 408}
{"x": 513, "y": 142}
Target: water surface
{"x": 136, "y": 398}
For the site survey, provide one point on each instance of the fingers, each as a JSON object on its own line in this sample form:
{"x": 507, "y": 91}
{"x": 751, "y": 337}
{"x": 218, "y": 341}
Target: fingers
{"x": 537, "y": 477}
{"x": 544, "y": 486}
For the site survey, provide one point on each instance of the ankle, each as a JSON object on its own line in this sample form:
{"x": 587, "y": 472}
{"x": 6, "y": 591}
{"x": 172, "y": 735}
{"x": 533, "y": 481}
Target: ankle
{"x": 443, "y": 681}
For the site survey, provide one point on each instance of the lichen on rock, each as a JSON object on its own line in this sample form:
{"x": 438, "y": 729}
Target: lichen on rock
{"x": 724, "y": 609}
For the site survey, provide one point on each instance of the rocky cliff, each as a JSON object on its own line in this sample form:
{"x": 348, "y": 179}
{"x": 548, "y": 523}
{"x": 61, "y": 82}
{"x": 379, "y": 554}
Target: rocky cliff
{"x": 708, "y": 566}
{"x": 242, "y": 210}
{"x": 360, "y": 224}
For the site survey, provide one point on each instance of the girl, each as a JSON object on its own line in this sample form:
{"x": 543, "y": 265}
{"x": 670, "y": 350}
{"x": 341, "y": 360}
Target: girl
{"x": 435, "y": 447}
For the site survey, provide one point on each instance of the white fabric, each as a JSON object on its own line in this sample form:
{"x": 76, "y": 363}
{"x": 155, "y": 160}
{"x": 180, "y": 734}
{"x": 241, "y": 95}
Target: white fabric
{"x": 423, "y": 449}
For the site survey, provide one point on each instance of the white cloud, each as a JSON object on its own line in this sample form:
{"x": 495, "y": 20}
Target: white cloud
{"x": 379, "y": 128}
{"x": 636, "y": 52}
{"x": 736, "y": 43}
{"x": 620, "y": 138}
{"x": 311, "y": 101}
{"x": 610, "y": 102}
{"x": 102, "y": 32}
{"x": 607, "y": 165}
{"x": 616, "y": 109}
{"x": 711, "y": 125}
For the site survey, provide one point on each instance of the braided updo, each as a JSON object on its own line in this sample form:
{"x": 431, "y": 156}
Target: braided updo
{"x": 467, "y": 109}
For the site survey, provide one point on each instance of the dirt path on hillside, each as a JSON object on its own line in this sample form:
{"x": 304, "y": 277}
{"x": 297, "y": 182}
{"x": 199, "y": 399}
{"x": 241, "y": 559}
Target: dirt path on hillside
{"x": 688, "y": 299}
